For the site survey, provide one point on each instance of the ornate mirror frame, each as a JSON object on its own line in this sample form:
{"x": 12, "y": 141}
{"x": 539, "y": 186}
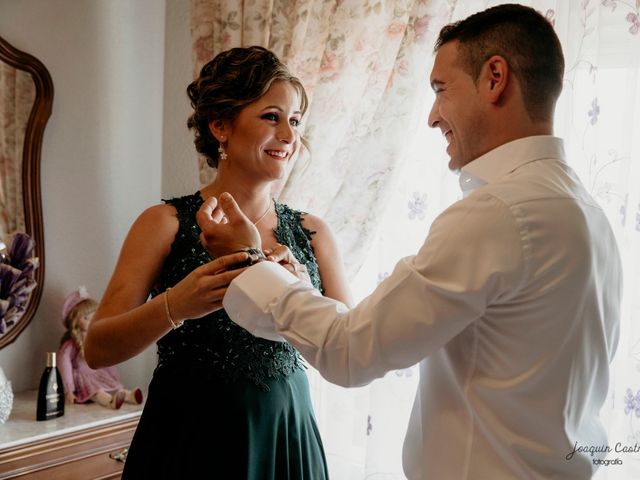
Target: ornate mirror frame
{"x": 32, "y": 202}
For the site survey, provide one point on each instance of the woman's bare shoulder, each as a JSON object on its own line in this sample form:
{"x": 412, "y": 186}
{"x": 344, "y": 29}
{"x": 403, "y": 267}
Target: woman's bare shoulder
{"x": 315, "y": 224}
{"x": 159, "y": 218}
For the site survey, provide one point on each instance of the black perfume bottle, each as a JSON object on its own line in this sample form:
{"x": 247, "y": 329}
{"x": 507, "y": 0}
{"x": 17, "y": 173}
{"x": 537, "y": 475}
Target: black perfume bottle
{"x": 51, "y": 391}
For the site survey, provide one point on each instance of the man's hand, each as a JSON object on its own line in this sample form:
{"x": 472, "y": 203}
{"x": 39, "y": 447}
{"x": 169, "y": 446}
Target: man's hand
{"x": 225, "y": 229}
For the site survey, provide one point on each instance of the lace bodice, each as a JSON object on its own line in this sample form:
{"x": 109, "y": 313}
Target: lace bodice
{"x": 214, "y": 344}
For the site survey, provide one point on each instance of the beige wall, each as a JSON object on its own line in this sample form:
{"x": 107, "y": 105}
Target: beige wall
{"x": 113, "y": 145}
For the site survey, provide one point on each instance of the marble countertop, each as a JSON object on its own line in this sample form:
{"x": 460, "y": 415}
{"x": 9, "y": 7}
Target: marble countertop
{"x": 22, "y": 426}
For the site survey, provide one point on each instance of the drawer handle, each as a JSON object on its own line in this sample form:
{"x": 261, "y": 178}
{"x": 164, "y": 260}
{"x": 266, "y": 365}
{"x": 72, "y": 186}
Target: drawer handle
{"x": 120, "y": 456}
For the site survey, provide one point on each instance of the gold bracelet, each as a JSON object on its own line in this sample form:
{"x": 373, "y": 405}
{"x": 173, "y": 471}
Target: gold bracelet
{"x": 168, "y": 312}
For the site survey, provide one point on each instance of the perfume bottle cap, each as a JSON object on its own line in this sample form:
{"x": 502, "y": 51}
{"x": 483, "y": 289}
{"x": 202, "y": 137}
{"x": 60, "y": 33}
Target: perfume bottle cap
{"x": 51, "y": 359}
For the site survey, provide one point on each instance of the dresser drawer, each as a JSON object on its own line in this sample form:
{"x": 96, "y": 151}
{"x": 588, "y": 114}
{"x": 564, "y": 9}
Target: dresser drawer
{"x": 83, "y": 454}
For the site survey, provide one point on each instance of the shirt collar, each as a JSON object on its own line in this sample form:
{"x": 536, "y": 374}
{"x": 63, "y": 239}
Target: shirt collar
{"x": 506, "y": 158}
{"x": 469, "y": 182}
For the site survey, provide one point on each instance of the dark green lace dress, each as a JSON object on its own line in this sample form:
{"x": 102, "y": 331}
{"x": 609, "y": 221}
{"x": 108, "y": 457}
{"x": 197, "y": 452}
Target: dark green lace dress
{"x": 223, "y": 404}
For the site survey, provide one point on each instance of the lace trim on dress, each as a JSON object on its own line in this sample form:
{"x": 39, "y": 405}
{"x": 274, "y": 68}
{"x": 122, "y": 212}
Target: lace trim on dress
{"x": 214, "y": 345}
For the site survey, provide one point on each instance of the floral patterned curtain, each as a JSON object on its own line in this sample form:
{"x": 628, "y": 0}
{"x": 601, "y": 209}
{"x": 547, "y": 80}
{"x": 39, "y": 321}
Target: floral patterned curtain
{"x": 17, "y": 92}
{"x": 364, "y": 65}
{"x": 379, "y": 175}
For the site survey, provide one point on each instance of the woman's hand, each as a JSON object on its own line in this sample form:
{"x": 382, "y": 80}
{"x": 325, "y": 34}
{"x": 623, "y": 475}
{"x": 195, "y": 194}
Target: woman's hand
{"x": 282, "y": 255}
{"x": 69, "y": 398}
{"x": 201, "y": 292}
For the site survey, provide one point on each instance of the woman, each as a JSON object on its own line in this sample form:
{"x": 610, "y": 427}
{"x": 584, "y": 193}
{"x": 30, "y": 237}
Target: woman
{"x": 247, "y": 397}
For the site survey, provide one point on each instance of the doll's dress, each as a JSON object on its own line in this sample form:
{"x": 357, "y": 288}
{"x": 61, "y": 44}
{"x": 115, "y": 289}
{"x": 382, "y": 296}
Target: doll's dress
{"x": 223, "y": 404}
{"x": 78, "y": 377}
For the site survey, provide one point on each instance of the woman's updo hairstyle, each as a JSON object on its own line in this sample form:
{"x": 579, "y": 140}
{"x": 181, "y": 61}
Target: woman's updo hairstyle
{"x": 228, "y": 83}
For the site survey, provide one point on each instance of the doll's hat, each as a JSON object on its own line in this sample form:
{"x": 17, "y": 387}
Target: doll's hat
{"x": 73, "y": 299}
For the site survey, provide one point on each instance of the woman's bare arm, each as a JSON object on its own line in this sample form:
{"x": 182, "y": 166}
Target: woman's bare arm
{"x": 125, "y": 323}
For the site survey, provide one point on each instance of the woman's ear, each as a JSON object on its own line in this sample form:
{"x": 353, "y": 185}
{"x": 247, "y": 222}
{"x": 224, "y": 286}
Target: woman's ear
{"x": 219, "y": 130}
{"x": 495, "y": 77}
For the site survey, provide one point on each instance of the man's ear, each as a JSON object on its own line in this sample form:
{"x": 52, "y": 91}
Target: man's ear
{"x": 219, "y": 129}
{"x": 494, "y": 77}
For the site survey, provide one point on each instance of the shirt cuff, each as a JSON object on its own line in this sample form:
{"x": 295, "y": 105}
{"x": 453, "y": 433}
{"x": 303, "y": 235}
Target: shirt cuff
{"x": 249, "y": 295}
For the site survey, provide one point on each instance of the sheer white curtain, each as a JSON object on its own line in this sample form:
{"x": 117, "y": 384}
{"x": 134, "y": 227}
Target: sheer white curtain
{"x": 598, "y": 116}
{"x": 378, "y": 174}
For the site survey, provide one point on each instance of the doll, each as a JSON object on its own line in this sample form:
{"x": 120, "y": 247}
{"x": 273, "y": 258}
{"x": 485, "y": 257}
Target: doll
{"x": 81, "y": 382}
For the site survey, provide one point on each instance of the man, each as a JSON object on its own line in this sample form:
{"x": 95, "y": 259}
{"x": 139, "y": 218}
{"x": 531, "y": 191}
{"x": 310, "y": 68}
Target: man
{"x": 511, "y": 306}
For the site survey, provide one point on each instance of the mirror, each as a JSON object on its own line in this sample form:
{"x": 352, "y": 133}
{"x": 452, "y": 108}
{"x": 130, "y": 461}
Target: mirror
{"x": 26, "y": 97}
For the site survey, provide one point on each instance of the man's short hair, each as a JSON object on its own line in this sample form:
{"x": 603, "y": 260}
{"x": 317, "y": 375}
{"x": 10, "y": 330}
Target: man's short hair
{"x": 527, "y": 42}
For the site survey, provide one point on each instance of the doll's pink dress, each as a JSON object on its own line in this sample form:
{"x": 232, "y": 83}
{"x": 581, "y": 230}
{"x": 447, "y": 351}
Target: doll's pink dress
{"x": 80, "y": 378}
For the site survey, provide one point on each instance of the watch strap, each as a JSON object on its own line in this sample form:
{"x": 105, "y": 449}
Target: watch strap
{"x": 255, "y": 256}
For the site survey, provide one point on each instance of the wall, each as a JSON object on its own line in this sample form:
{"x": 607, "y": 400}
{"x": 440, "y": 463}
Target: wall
{"x": 102, "y": 158}
{"x": 180, "y": 166}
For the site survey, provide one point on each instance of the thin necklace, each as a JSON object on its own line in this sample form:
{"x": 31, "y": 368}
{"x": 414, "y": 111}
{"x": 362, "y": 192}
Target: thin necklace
{"x": 263, "y": 215}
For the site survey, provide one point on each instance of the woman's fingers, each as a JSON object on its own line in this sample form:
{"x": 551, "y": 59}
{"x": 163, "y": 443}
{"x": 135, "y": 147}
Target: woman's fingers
{"x": 201, "y": 292}
{"x": 298, "y": 269}
{"x": 281, "y": 253}
{"x": 224, "y": 263}
{"x": 216, "y": 297}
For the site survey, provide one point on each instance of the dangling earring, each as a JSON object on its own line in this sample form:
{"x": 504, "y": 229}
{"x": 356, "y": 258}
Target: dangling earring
{"x": 221, "y": 153}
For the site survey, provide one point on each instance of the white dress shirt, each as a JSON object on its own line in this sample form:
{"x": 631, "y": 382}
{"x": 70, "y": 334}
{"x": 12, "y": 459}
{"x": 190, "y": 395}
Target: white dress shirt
{"x": 511, "y": 307}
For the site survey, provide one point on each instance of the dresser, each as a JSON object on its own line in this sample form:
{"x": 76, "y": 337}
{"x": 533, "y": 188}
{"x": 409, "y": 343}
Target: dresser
{"x": 88, "y": 442}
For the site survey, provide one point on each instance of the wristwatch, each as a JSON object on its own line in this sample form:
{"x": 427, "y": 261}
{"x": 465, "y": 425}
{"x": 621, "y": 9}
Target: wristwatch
{"x": 255, "y": 256}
